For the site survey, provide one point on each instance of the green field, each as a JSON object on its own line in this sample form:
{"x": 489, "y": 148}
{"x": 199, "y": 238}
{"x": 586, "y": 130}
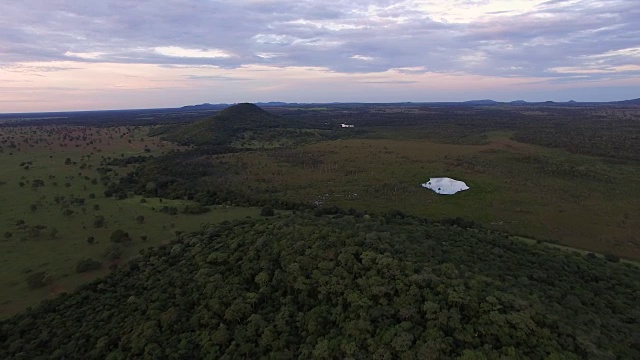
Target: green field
{"x": 547, "y": 194}
{"x": 46, "y": 225}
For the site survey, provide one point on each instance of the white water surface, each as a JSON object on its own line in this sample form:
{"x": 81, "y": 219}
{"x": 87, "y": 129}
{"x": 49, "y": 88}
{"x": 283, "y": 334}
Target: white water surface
{"x": 445, "y": 185}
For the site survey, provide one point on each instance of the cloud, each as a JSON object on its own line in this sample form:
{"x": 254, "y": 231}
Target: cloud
{"x": 215, "y": 78}
{"x": 528, "y": 36}
{"x": 87, "y": 55}
{"x": 363, "y": 58}
{"x": 176, "y": 51}
{"x": 596, "y": 70}
{"x": 547, "y": 40}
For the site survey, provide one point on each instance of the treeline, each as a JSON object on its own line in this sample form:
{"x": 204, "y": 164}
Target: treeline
{"x": 611, "y": 131}
{"x": 105, "y": 118}
{"x": 190, "y": 175}
{"x": 362, "y": 288}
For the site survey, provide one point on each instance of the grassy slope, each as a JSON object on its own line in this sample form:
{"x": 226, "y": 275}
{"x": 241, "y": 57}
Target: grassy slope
{"x": 23, "y": 253}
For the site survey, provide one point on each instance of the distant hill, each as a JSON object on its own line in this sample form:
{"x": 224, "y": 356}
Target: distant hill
{"x": 481, "y": 102}
{"x": 225, "y": 126}
{"x": 628, "y": 102}
{"x": 206, "y": 106}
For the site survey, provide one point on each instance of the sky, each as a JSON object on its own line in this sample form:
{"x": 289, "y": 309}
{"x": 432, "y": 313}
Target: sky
{"x": 58, "y": 55}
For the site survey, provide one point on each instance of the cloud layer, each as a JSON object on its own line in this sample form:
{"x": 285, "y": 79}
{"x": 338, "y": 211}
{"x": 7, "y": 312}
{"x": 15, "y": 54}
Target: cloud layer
{"x": 557, "y": 42}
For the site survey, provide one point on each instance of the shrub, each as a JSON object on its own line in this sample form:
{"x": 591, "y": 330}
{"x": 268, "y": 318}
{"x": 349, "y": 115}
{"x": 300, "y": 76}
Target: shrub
{"x": 37, "y": 183}
{"x": 267, "y": 211}
{"x": 171, "y": 210}
{"x": 39, "y": 279}
{"x": 195, "y": 209}
{"x": 88, "y": 264}
{"x": 98, "y": 221}
{"x": 119, "y": 236}
{"x": 53, "y": 232}
{"x": 113, "y": 252}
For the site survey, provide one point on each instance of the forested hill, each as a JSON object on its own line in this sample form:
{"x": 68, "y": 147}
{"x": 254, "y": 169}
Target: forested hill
{"x": 223, "y": 127}
{"x": 362, "y": 288}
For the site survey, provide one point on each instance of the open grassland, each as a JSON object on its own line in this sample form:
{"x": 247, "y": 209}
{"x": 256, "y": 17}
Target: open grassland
{"x": 542, "y": 193}
{"x": 54, "y": 212}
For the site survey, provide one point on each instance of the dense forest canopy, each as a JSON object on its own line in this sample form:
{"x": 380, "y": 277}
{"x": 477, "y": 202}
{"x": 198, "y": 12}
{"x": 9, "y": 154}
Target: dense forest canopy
{"x": 315, "y": 287}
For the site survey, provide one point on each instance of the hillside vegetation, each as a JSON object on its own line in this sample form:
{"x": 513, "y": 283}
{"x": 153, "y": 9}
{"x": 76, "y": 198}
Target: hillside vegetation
{"x": 361, "y": 288}
{"x": 223, "y": 127}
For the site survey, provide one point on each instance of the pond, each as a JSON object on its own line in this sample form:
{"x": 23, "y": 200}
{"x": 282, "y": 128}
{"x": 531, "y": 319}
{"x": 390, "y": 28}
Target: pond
{"x": 445, "y": 185}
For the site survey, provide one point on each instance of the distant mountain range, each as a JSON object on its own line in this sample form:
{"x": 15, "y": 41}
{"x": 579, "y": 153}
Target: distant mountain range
{"x": 198, "y": 110}
{"x": 483, "y": 102}
{"x": 489, "y": 102}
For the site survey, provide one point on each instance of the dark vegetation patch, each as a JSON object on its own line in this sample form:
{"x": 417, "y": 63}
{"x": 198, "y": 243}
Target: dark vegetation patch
{"x": 315, "y": 287}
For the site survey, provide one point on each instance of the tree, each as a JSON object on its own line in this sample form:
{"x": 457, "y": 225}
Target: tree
{"x": 53, "y": 232}
{"x": 140, "y": 219}
{"x": 119, "y": 236}
{"x": 36, "y": 183}
{"x": 612, "y": 258}
{"x": 98, "y": 221}
{"x": 267, "y": 211}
